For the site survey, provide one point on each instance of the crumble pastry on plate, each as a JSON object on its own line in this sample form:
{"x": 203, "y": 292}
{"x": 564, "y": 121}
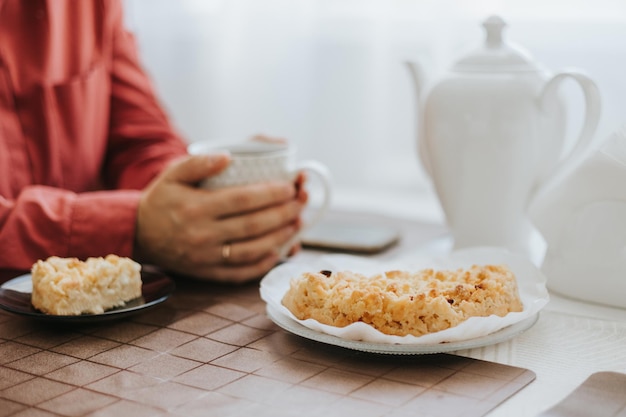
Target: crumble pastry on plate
{"x": 401, "y": 302}
{"x": 68, "y": 286}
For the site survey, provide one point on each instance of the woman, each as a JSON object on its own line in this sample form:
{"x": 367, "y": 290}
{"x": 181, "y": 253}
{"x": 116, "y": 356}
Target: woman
{"x": 90, "y": 164}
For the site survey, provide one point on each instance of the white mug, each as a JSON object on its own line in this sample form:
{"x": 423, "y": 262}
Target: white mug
{"x": 258, "y": 161}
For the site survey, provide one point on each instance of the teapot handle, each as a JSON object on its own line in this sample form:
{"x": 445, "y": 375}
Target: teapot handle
{"x": 592, "y": 114}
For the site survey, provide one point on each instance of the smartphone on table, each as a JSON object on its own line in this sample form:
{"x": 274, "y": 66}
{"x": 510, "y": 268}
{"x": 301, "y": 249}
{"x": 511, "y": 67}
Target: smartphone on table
{"x": 358, "y": 236}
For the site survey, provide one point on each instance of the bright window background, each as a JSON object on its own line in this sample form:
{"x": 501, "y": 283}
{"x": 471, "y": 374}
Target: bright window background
{"x": 329, "y": 74}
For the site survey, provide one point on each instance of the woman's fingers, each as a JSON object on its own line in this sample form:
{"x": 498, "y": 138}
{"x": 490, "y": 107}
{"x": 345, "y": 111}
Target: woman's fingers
{"x": 232, "y": 201}
{"x": 193, "y": 169}
{"x": 250, "y": 251}
{"x": 258, "y": 223}
{"x": 240, "y": 252}
{"x": 238, "y": 274}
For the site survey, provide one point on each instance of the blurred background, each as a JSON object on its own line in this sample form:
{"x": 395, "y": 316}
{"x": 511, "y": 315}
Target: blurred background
{"x": 329, "y": 75}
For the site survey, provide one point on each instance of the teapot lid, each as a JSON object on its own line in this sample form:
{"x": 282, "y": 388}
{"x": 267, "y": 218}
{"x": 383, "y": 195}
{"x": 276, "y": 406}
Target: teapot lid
{"x": 496, "y": 55}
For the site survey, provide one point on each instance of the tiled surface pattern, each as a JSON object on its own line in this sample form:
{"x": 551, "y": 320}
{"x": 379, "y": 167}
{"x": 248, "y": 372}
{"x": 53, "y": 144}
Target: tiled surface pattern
{"x": 210, "y": 351}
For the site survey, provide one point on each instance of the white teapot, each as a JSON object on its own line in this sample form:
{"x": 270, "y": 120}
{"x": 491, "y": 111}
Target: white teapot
{"x": 490, "y": 133}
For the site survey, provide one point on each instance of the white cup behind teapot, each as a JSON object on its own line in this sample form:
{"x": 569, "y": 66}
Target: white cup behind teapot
{"x": 582, "y": 217}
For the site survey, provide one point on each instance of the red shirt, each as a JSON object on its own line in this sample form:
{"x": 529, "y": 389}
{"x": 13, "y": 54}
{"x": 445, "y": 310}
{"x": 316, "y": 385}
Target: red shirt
{"x": 80, "y": 131}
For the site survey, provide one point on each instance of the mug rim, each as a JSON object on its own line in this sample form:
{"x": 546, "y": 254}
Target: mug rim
{"x": 255, "y": 149}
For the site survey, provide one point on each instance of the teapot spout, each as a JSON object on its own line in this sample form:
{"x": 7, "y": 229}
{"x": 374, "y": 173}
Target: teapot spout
{"x": 417, "y": 76}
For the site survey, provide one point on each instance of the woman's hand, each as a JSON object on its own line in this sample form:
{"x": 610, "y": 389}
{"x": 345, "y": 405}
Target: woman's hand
{"x": 230, "y": 234}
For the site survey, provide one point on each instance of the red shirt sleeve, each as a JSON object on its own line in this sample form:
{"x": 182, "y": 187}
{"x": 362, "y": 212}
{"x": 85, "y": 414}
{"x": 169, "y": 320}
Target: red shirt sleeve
{"x": 47, "y": 221}
{"x": 81, "y": 131}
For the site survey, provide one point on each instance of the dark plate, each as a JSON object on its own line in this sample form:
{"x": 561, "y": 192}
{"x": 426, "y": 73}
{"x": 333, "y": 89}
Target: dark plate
{"x": 156, "y": 288}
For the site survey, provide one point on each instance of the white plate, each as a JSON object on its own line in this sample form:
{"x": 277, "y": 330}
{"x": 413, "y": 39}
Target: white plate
{"x": 477, "y": 331}
{"x": 296, "y": 328}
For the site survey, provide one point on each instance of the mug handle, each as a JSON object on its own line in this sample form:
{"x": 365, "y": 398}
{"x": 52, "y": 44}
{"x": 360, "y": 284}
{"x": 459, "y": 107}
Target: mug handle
{"x": 323, "y": 174}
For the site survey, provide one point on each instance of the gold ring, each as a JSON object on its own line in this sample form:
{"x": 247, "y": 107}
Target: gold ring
{"x": 225, "y": 251}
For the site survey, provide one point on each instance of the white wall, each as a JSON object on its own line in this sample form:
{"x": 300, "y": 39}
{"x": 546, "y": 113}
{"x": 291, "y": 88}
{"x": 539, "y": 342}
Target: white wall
{"x": 329, "y": 75}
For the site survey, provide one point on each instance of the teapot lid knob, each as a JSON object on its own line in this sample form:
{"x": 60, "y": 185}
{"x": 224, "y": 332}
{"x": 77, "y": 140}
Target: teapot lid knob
{"x": 493, "y": 26}
{"x": 496, "y": 54}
